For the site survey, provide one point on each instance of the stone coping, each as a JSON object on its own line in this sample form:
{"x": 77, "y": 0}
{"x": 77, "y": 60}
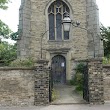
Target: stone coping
{"x": 41, "y": 61}
{"x": 87, "y": 60}
{"x": 16, "y": 68}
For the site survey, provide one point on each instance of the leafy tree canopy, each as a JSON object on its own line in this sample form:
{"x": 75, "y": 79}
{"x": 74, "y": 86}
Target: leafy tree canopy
{"x": 3, "y": 4}
{"x": 5, "y": 31}
{"x": 7, "y": 51}
{"x": 105, "y": 32}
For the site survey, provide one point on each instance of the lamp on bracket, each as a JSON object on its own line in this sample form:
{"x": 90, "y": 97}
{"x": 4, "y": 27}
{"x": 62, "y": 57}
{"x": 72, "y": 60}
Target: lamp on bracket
{"x": 67, "y": 22}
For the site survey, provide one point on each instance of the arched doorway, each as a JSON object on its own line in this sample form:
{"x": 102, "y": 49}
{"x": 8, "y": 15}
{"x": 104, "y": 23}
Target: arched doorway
{"x": 59, "y": 69}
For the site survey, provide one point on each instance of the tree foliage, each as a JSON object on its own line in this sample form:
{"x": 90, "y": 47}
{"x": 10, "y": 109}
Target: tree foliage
{"x": 7, "y": 53}
{"x": 105, "y": 32}
{"x": 5, "y": 31}
{"x": 14, "y": 36}
{"x": 3, "y": 4}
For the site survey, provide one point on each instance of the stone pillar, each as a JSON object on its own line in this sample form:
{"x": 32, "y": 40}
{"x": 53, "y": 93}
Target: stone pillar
{"x": 24, "y": 28}
{"x": 95, "y": 45}
{"x": 96, "y": 89}
{"x": 41, "y": 83}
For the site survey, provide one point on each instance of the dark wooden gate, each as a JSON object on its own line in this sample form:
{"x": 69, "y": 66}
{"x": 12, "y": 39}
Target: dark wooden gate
{"x": 59, "y": 69}
{"x": 85, "y": 84}
{"x": 50, "y": 85}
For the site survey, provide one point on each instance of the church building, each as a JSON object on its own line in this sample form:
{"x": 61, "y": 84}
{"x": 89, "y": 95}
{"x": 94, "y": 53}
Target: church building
{"x": 42, "y": 34}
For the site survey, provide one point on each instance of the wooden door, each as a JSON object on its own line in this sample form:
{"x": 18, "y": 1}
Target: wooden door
{"x": 59, "y": 69}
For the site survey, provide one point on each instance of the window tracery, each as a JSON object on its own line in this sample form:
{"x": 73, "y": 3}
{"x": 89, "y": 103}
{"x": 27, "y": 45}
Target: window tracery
{"x": 56, "y": 13}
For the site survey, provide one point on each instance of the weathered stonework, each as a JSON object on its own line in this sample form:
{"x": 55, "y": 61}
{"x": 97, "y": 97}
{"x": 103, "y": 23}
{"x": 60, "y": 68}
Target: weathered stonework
{"x": 25, "y": 86}
{"x": 82, "y": 44}
{"x": 16, "y": 87}
{"x": 41, "y": 83}
{"x": 95, "y": 82}
{"x": 95, "y": 45}
{"x": 33, "y": 22}
{"x": 30, "y": 86}
{"x": 106, "y": 75}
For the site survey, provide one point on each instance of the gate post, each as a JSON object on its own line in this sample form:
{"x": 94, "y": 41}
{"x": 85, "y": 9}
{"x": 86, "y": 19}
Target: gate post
{"x": 95, "y": 81}
{"x": 41, "y": 71}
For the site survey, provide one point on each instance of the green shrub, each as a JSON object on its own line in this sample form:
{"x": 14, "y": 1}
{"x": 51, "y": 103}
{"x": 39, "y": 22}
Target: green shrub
{"x": 79, "y": 68}
{"x": 22, "y": 63}
{"x": 78, "y": 77}
{"x": 79, "y": 87}
{"x": 106, "y": 60}
{"x": 54, "y": 94}
{"x": 7, "y": 53}
{"x": 72, "y": 82}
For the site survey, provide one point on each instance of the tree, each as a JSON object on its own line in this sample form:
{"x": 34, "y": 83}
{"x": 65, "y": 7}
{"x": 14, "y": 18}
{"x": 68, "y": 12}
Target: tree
{"x": 105, "y": 32}
{"x": 5, "y": 31}
{"x": 3, "y": 4}
{"x": 14, "y": 36}
{"x": 7, "y": 53}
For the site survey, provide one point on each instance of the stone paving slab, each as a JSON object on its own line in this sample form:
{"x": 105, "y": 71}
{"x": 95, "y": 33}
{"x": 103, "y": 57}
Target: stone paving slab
{"x": 66, "y": 95}
{"x": 61, "y": 107}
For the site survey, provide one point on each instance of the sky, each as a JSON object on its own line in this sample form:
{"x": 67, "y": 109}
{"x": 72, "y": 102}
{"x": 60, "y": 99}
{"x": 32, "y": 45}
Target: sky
{"x": 11, "y": 15}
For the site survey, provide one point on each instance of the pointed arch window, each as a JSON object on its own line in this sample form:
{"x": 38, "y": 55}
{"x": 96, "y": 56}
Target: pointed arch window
{"x": 56, "y": 13}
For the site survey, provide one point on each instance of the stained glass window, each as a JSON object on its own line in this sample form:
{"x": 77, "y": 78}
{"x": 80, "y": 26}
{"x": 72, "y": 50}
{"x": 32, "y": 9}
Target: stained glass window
{"x": 56, "y": 13}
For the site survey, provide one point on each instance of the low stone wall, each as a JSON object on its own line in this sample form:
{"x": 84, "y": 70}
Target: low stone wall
{"x": 30, "y": 86}
{"x": 106, "y": 74}
{"x": 16, "y": 87}
{"x": 25, "y": 86}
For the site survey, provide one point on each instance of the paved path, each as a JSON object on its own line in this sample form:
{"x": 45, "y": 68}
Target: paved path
{"x": 61, "y": 107}
{"x": 67, "y": 95}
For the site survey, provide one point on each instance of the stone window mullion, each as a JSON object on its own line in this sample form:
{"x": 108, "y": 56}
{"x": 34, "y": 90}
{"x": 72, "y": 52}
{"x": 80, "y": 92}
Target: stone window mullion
{"x": 62, "y": 25}
{"x": 55, "y": 21}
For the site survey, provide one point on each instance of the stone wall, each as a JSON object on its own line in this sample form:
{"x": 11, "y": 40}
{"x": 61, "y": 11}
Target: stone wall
{"x": 95, "y": 45}
{"x": 33, "y": 21}
{"x": 41, "y": 83}
{"x": 24, "y": 28}
{"x": 95, "y": 82}
{"x": 106, "y": 74}
{"x": 16, "y": 87}
{"x": 24, "y": 86}
{"x": 30, "y": 86}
